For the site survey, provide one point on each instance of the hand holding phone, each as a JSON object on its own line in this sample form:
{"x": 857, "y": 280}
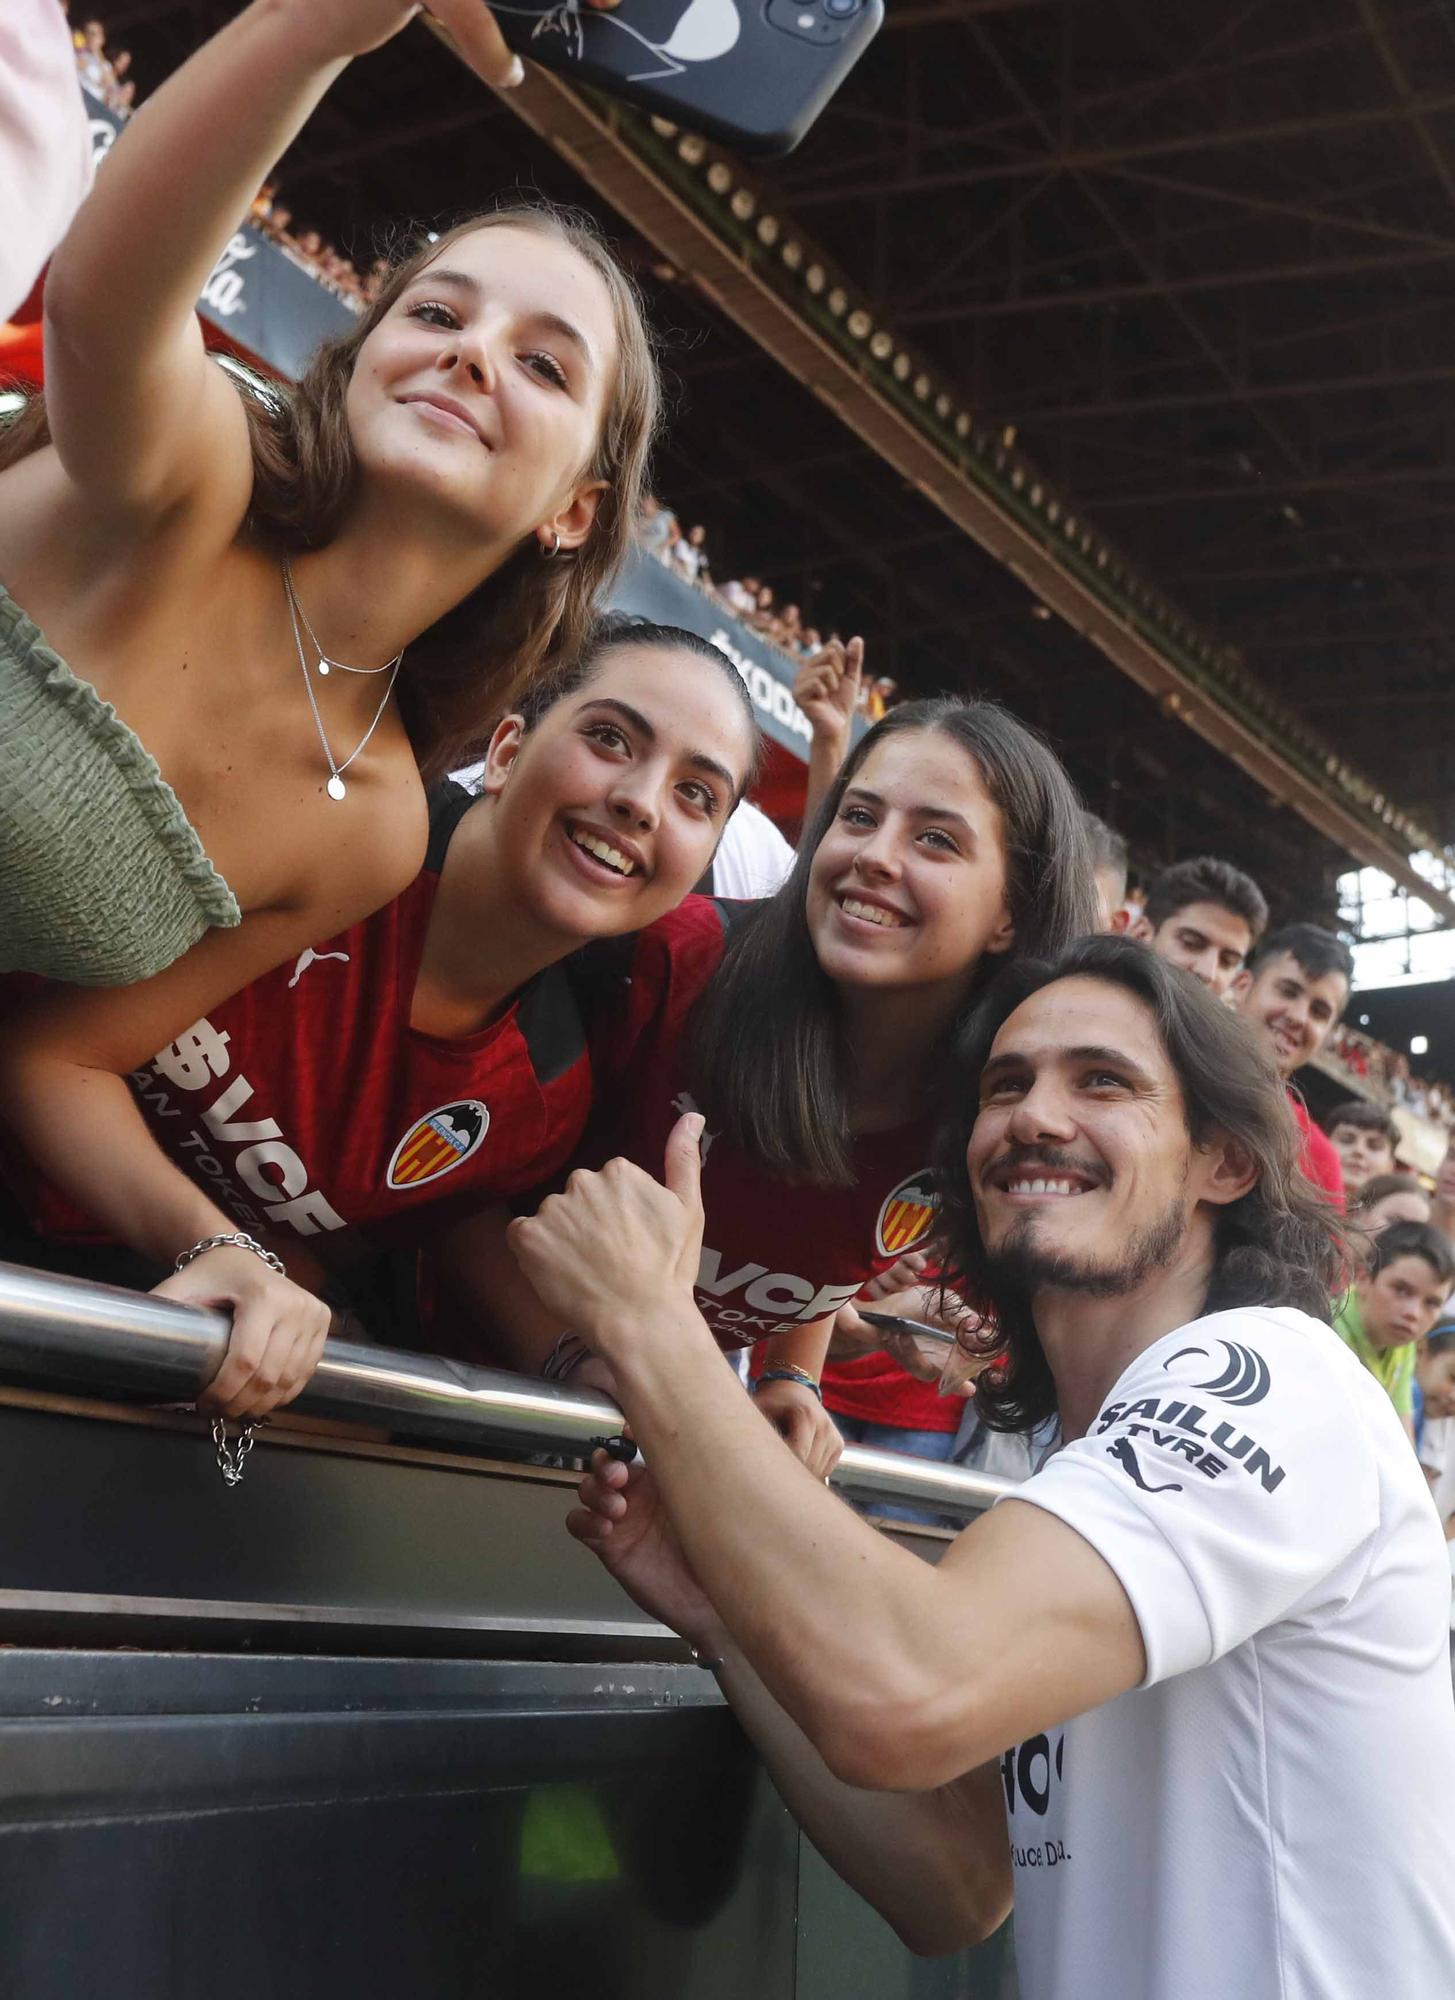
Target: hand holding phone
{"x": 754, "y": 75}
{"x": 930, "y": 1353}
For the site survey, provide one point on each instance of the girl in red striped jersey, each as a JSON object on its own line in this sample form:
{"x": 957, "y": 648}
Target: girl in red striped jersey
{"x": 434, "y": 1054}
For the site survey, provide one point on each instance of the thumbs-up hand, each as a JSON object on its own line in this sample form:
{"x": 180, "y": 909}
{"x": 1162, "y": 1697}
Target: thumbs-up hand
{"x": 827, "y": 686}
{"x": 617, "y": 1247}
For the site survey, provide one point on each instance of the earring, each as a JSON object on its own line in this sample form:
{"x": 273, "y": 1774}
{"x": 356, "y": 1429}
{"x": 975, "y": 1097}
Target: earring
{"x": 555, "y": 548}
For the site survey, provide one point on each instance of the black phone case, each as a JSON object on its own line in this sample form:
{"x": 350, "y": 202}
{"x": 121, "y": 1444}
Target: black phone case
{"x": 755, "y": 73}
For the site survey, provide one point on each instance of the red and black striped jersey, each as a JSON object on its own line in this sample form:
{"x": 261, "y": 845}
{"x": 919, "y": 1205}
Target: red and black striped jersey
{"x": 307, "y": 1104}
{"x": 774, "y": 1256}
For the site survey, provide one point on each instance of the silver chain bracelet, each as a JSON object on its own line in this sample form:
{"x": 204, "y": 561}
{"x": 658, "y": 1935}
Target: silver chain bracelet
{"x": 239, "y": 1240}
{"x": 232, "y": 1451}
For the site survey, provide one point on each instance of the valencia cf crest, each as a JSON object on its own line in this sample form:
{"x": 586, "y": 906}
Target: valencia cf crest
{"x": 908, "y": 1211}
{"x": 439, "y": 1142}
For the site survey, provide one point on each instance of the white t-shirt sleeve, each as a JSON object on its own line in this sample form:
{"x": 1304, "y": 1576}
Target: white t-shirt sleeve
{"x": 45, "y": 141}
{"x": 753, "y": 859}
{"x": 1228, "y": 1480}
{"x": 1435, "y": 1446}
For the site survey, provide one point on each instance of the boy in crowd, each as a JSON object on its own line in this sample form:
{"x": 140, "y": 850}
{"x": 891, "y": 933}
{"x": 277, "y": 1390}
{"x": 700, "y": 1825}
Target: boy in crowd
{"x": 1291, "y": 993}
{"x": 1393, "y": 1303}
{"x": 1366, "y": 1139}
{"x": 1109, "y": 866}
{"x": 1206, "y": 916}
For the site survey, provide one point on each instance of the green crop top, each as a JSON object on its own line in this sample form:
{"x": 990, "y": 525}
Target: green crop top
{"x": 103, "y": 879}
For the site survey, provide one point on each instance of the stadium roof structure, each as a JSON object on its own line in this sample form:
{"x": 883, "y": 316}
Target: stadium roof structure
{"x": 1102, "y": 359}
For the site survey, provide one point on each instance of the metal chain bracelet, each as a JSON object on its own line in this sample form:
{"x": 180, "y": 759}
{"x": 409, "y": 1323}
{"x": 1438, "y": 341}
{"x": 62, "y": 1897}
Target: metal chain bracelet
{"x": 239, "y": 1240}
{"x": 232, "y": 1452}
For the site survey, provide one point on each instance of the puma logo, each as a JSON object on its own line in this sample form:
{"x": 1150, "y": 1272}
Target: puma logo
{"x": 1126, "y": 1458}
{"x": 312, "y": 957}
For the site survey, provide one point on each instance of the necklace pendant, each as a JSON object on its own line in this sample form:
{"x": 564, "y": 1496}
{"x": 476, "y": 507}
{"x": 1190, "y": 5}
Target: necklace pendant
{"x": 323, "y": 667}
{"x": 336, "y": 787}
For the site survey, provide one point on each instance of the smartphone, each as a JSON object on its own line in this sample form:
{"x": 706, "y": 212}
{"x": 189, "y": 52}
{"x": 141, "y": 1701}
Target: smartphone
{"x": 755, "y": 73}
{"x": 907, "y": 1329}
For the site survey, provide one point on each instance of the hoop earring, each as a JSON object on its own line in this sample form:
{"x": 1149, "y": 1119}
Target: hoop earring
{"x": 554, "y": 549}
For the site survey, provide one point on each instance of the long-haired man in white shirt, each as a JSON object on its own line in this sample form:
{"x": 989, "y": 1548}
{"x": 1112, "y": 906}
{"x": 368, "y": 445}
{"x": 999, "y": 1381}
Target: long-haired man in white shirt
{"x": 1185, "y": 1697}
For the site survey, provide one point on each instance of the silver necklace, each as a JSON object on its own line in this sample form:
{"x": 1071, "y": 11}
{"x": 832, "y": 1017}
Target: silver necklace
{"x": 336, "y": 787}
{"x": 325, "y": 664}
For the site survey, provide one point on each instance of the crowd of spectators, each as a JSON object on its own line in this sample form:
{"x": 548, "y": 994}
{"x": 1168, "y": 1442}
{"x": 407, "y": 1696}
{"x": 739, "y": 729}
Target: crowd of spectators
{"x": 1388, "y": 1074}
{"x": 306, "y": 248}
{"x": 104, "y": 72}
{"x": 752, "y": 602}
{"x": 105, "y": 75}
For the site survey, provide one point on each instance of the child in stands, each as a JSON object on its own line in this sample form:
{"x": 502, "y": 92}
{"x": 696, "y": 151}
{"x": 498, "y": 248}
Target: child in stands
{"x": 1395, "y": 1300}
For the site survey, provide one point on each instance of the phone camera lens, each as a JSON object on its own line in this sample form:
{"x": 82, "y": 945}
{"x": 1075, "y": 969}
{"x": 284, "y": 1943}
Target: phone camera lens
{"x": 840, "y": 10}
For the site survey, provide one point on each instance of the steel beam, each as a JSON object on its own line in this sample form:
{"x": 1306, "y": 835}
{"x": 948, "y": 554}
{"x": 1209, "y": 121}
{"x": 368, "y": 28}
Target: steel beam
{"x": 1319, "y": 575}
{"x": 1273, "y": 490}
{"x": 1410, "y": 103}
{"x": 1297, "y": 390}
{"x": 1290, "y": 211}
{"x": 1195, "y": 76}
{"x": 1343, "y": 641}
{"x": 1092, "y": 159}
{"x": 1020, "y": 306}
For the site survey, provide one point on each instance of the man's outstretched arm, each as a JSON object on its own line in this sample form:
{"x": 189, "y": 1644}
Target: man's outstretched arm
{"x": 936, "y": 1864}
{"x": 903, "y": 1677}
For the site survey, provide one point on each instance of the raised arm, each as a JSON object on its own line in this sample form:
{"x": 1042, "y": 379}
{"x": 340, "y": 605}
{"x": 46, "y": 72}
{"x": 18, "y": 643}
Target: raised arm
{"x": 795, "y": 1410}
{"x": 826, "y": 688}
{"x": 64, "y": 1057}
{"x": 139, "y": 417}
{"x": 903, "y": 1677}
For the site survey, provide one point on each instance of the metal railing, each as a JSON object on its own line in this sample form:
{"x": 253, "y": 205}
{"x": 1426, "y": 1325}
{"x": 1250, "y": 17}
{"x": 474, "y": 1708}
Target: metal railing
{"x": 107, "y": 1341}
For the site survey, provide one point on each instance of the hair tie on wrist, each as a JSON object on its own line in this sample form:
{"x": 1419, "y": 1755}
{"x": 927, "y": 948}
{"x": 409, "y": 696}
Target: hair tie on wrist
{"x": 789, "y": 1371}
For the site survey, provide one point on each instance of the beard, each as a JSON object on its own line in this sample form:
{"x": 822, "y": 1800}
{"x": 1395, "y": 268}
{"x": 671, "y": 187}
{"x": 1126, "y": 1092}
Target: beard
{"x": 1022, "y": 1266}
